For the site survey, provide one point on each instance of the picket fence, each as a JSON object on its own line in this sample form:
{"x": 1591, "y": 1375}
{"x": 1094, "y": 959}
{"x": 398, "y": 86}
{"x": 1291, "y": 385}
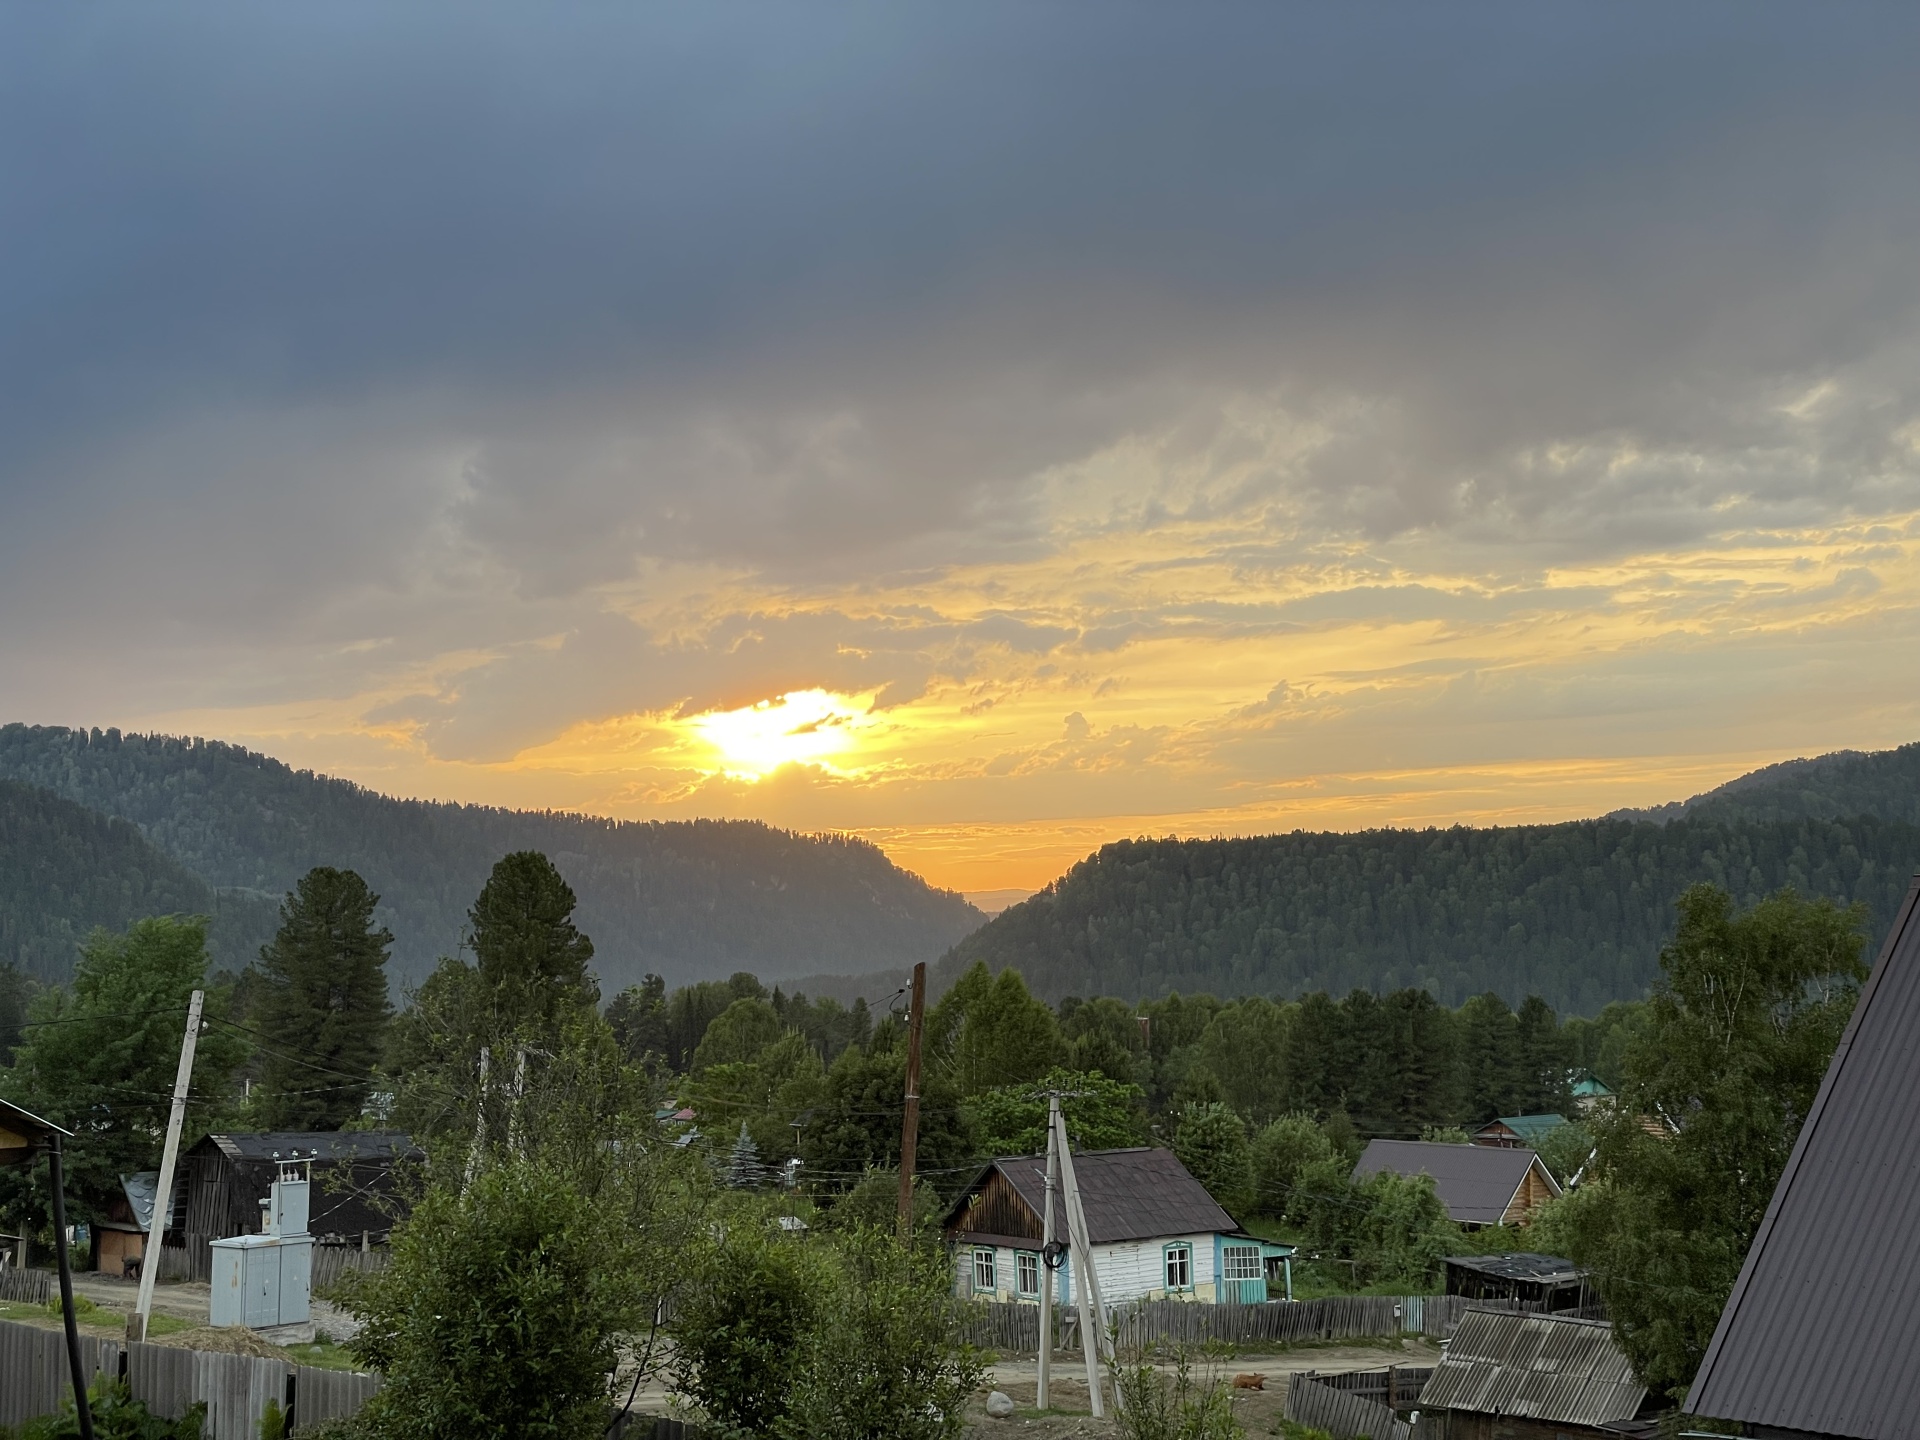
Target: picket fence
{"x": 34, "y": 1381}
{"x": 1343, "y": 1414}
{"x": 25, "y": 1287}
{"x": 1015, "y": 1328}
{"x": 330, "y": 1262}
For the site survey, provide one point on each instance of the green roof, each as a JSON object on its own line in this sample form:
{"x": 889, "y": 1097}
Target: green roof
{"x": 1590, "y": 1085}
{"x": 1530, "y": 1127}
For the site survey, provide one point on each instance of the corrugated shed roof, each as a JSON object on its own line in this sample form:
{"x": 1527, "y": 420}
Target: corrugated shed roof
{"x": 1136, "y": 1194}
{"x": 139, "y": 1190}
{"x": 324, "y": 1145}
{"x": 1519, "y": 1266}
{"x": 1545, "y": 1367}
{"x": 1475, "y": 1182}
{"x": 1817, "y": 1334}
{"x": 1528, "y": 1127}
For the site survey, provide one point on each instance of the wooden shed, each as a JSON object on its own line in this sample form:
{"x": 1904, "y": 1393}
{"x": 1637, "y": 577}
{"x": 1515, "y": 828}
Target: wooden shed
{"x": 1506, "y": 1376}
{"x": 225, "y": 1179}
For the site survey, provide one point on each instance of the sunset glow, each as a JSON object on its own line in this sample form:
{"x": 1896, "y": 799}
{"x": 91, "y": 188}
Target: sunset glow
{"x": 802, "y": 727}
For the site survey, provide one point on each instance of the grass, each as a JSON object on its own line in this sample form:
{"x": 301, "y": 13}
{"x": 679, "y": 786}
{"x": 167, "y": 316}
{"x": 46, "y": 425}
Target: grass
{"x": 323, "y": 1355}
{"x": 92, "y": 1316}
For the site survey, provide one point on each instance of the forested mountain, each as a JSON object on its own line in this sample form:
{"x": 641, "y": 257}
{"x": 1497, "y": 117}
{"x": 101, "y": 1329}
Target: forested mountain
{"x": 1885, "y": 783}
{"x": 687, "y": 899}
{"x": 65, "y": 869}
{"x": 1576, "y": 913}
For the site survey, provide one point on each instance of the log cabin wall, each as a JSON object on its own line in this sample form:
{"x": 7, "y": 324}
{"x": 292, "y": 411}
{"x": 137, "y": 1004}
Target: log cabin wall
{"x": 998, "y": 1210}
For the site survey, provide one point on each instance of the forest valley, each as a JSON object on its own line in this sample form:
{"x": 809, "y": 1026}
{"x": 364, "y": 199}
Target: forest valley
{"x": 574, "y": 1192}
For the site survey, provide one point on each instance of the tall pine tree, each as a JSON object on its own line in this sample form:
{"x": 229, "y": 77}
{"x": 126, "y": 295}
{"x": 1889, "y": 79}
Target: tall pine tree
{"x": 530, "y": 957}
{"x": 321, "y": 1003}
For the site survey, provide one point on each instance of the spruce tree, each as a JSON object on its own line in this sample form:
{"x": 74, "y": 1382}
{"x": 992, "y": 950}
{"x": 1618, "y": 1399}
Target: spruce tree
{"x": 744, "y": 1170}
{"x": 1544, "y": 1087}
{"x": 321, "y": 1003}
{"x": 530, "y": 957}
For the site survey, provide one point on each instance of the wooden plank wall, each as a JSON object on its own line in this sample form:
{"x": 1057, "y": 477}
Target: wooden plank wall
{"x": 25, "y": 1287}
{"x": 1341, "y": 1413}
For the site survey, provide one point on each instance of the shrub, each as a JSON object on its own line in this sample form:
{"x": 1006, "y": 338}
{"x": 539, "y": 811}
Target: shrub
{"x": 1176, "y": 1404}
{"x": 116, "y": 1416}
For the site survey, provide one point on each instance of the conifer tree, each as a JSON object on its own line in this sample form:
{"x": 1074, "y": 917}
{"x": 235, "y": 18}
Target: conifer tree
{"x": 744, "y": 1170}
{"x": 530, "y": 957}
{"x": 321, "y": 1004}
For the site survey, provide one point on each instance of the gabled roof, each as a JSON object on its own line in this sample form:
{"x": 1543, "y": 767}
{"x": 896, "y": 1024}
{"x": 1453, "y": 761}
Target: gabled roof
{"x": 1590, "y": 1086}
{"x": 322, "y": 1145}
{"x": 1475, "y": 1182}
{"x": 1138, "y": 1194}
{"x": 1817, "y": 1335}
{"x": 1544, "y": 1367}
{"x": 1527, "y": 1127}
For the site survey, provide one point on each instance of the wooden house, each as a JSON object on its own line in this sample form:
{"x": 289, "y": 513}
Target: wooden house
{"x": 1517, "y": 1132}
{"x": 120, "y": 1236}
{"x": 225, "y": 1180}
{"x": 1479, "y": 1184}
{"x": 1155, "y": 1232}
{"x": 1507, "y": 1376}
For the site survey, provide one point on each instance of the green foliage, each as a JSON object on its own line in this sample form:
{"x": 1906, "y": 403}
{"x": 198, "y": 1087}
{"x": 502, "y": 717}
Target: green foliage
{"x": 1735, "y": 1043}
{"x": 1005, "y": 1035}
{"x": 273, "y": 1422}
{"x": 880, "y": 1361}
{"x": 1576, "y": 912}
{"x": 1162, "y": 1401}
{"x": 741, "y": 1326}
{"x": 874, "y": 1204}
{"x": 691, "y": 895}
{"x": 638, "y": 1016}
{"x": 116, "y": 1415}
{"x": 1101, "y": 1114}
{"x": 498, "y": 1312}
{"x": 1244, "y": 1047}
{"x": 1564, "y": 1150}
{"x": 321, "y": 1002}
{"x": 856, "y": 1125}
{"x": 1212, "y": 1143}
{"x": 1392, "y": 1228}
{"x": 102, "y": 1060}
{"x": 738, "y": 1035}
{"x": 1280, "y": 1153}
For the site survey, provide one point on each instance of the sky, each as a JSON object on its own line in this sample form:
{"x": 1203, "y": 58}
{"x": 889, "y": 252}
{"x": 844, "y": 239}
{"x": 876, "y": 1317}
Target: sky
{"x": 992, "y": 429}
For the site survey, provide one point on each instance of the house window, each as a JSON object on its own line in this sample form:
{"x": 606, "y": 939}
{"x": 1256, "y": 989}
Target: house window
{"x": 1027, "y": 1274}
{"x": 983, "y": 1270}
{"x": 1241, "y": 1262}
{"x": 1179, "y": 1263}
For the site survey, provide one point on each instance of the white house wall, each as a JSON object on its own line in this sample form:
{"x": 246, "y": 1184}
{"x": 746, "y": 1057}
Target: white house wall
{"x": 1130, "y": 1270}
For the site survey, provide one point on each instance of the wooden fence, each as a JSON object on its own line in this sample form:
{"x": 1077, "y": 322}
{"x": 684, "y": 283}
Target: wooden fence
{"x": 1343, "y": 1414}
{"x": 34, "y": 1381}
{"x": 1015, "y": 1328}
{"x": 330, "y": 1262}
{"x": 25, "y": 1287}
{"x": 1397, "y": 1387}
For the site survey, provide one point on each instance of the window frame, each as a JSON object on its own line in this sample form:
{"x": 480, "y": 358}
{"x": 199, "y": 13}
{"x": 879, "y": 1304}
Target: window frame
{"x": 1185, "y": 1247}
{"x": 1240, "y": 1250}
{"x": 991, "y": 1256}
{"x": 1023, "y": 1260}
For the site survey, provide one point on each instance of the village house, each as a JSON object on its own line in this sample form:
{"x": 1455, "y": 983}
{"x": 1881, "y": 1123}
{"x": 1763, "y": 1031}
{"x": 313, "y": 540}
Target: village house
{"x": 120, "y": 1236}
{"x": 1507, "y": 1376}
{"x": 1479, "y": 1184}
{"x": 1156, "y": 1234}
{"x": 1517, "y": 1132}
{"x": 225, "y": 1181}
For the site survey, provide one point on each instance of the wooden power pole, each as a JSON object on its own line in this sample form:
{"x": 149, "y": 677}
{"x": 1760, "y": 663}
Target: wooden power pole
{"x": 163, "y": 1188}
{"x": 1041, "y": 1394}
{"x": 910, "y": 1122}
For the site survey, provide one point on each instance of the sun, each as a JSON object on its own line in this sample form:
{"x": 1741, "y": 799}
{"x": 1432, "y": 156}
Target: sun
{"x": 802, "y": 727}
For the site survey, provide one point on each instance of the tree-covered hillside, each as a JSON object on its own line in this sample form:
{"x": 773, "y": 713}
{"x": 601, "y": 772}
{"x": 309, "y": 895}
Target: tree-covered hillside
{"x": 1885, "y": 783}
{"x": 1576, "y": 913}
{"x": 65, "y": 869}
{"x": 684, "y": 899}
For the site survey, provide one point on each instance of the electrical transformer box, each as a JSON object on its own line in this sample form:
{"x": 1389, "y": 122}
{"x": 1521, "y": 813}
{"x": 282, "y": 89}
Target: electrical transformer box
{"x": 260, "y": 1281}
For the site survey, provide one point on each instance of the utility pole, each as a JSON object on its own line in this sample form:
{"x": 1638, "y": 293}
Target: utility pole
{"x": 910, "y": 1122}
{"x": 519, "y": 1090}
{"x": 1093, "y": 1315}
{"x": 56, "y": 1178}
{"x": 479, "y": 1122}
{"x": 163, "y": 1188}
{"x": 1046, "y": 1259}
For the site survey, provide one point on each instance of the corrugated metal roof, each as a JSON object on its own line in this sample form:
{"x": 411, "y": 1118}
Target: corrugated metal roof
{"x": 139, "y": 1190}
{"x": 324, "y": 1145}
{"x": 1138, "y": 1194}
{"x": 1475, "y": 1182}
{"x": 1545, "y": 1367}
{"x": 1518, "y": 1265}
{"x": 1817, "y": 1334}
{"x": 1527, "y": 1127}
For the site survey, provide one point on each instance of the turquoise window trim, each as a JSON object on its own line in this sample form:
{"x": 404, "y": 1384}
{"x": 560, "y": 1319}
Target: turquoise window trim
{"x": 992, "y": 1268}
{"x": 1039, "y": 1274}
{"x": 1166, "y": 1266}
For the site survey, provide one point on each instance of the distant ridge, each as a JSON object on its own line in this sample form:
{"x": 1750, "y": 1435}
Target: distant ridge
{"x": 1575, "y": 912}
{"x": 687, "y": 899}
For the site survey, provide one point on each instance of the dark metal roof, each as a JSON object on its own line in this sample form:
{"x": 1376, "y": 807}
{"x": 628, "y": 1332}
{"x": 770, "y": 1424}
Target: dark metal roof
{"x": 1127, "y": 1194}
{"x": 1817, "y": 1334}
{"x": 1475, "y": 1182}
{"x": 1546, "y": 1367}
{"x": 323, "y": 1145}
{"x": 1519, "y": 1266}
